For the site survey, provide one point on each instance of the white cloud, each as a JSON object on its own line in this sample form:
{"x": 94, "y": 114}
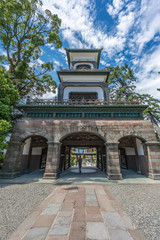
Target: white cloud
{"x": 118, "y": 4}
{"x": 120, "y": 60}
{"x": 42, "y": 52}
{"x": 103, "y": 62}
{"x": 50, "y": 45}
{"x": 149, "y": 79}
{"x": 114, "y": 9}
{"x": 50, "y": 95}
{"x": 62, "y": 50}
{"x": 52, "y": 48}
{"x": 39, "y": 61}
{"x": 125, "y": 23}
{"x": 79, "y": 29}
{"x": 135, "y": 25}
{"x": 149, "y": 85}
{"x": 57, "y": 62}
{"x": 4, "y": 53}
{"x": 147, "y": 23}
{"x": 6, "y": 67}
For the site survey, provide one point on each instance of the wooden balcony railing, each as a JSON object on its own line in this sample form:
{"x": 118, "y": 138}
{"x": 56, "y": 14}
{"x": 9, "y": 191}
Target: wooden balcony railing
{"x": 81, "y": 102}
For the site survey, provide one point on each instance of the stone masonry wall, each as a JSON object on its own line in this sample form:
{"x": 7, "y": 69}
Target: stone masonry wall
{"x": 110, "y": 131}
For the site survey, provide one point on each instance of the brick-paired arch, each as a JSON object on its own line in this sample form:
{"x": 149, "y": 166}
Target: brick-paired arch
{"x": 34, "y": 153}
{"x": 133, "y": 154}
{"x": 82, "y": 139}
{"x": 109, "y": 131}
{"x": 23, "y": 138}
{"x": 83, "y": 128}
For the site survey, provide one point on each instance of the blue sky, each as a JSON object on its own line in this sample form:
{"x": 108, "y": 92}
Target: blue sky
{"x": 127, "y": 30}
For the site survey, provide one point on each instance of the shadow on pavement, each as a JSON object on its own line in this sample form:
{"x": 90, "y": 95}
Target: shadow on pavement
{"x": 90, "y": 174}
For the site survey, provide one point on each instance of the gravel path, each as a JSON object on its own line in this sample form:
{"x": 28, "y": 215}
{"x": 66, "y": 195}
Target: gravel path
{"x": 142, "y": 203}
{"x": 17, "y": 202}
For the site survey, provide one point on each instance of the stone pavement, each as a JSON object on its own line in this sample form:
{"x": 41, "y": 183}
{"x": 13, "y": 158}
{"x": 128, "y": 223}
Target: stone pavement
{"x": 78, "y": 212}
{"x": 89, "y": 175}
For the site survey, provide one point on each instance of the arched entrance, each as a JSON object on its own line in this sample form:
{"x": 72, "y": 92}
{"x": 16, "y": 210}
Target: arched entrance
{"x": 132, "y": 153}
{"x": 34, "y": 154}
{"x": 90, "y": 146}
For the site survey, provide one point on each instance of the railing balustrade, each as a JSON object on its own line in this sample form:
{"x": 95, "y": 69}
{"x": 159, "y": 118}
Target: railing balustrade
{"x": 81, "y": 102}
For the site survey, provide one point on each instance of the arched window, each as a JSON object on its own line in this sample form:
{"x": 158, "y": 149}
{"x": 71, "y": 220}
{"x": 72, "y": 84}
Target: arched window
{"x": 83, "y": 67}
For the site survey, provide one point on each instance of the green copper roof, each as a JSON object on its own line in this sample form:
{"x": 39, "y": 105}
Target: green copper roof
{"x": 83, "y": 73}
{"x": 84, "y": 50}
{"x": 82, "y": 107}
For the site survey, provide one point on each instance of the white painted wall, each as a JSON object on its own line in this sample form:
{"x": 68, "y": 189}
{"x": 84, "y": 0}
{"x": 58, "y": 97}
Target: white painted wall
{"x": 98, "y": 90}
{"x": 26, "y": 146}
{"x": 81, "y": 78}
{"x": 130, "y": 151}
{"x": 139, "y": 147}
{"x": 83, "y": 56}
{"x": 37, "y": 151}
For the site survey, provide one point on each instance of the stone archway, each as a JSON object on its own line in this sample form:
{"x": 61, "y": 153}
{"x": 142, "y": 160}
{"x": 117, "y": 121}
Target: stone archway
{"x": 81, "y": 128}
{"x": 132, "y": 154}
{"x": 34, "y": 154}
{"x": 21, "y": 156}
{"x": 82, "y": 140}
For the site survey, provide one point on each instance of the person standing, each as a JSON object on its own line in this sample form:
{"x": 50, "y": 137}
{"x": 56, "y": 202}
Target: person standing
{"x": 80, "y": 164}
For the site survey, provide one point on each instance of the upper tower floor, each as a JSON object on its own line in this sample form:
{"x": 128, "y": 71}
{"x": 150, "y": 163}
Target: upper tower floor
{"x": 83, "y": 59}
{"x": 83, "y": 79}
{"x": 83, "y": 92}
{"x": 83, "y": 67}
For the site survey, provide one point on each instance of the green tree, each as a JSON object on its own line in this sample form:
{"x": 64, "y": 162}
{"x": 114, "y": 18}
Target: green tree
{"x": 24, "y": 30}
{"x": 8, "y": 98}
{"x": 73, "y": 160}
{"x": 122, "y": 86}
{"x": 121, "y": 82}
{"x": 152, "y": 112}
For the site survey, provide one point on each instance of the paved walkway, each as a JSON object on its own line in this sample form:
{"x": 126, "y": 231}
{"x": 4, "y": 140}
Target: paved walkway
{"x": 80, "y": 208}
{"x": 88, "y": 175}
{"x": 78, "y": 212}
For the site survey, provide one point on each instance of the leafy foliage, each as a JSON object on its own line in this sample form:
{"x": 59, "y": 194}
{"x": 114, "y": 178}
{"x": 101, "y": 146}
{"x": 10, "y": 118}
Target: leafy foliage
{"x": 8, "y": 98}
{"x": 122, "y": 86}
{"x": 152, "y": 112}
{"x": 121, "y": 82}
{"x": 1, "y": 161}
{"x": 24, "y": 30}
{"x": 72, "y": 160}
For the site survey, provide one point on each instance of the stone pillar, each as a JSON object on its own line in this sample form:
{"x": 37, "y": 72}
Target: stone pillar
{"x": 69, "y": 156}
{"x": 12, "y": 162}
{"x": 65, "y": 158}
{"x": 113, "y": 164}
{"x": 52, "y": 163}
{"x": 101, "y": 160}
{"x": 62, "y": 156}
{"x": 137, "y": 161}
{"x": 30, "y": 156}
{"x": 153, "y": 150}
{"x": 97, "y": 157}
{"x": 104, "y": 159}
